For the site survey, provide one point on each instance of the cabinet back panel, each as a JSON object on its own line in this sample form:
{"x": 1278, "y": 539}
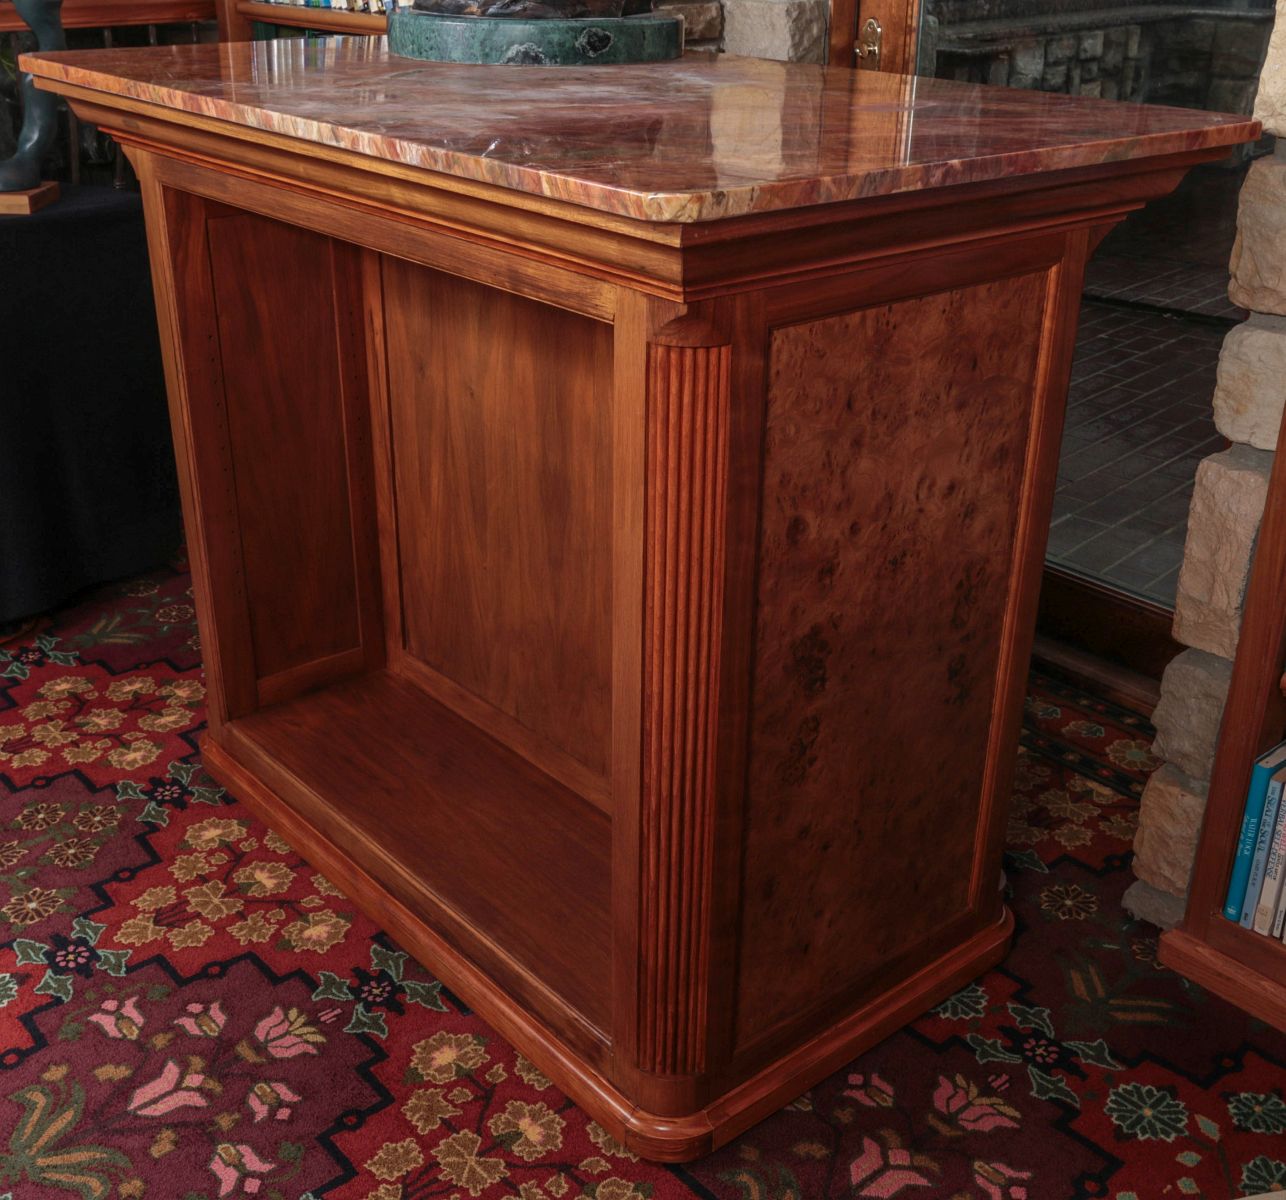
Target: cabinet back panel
{"x": 500, "y": 410}
{"x": 901, "y": 466}
{"x": 276, "y": 291}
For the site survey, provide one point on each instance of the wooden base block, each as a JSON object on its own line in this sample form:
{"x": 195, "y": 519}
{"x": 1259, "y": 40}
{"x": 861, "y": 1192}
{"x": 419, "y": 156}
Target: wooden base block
{"x": 22, "y": 204}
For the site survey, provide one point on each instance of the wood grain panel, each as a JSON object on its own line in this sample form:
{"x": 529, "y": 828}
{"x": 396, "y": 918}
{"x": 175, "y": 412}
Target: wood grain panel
{"x": 501, "y": 418}
{"x": 686, "y": 500}
{"x": 289, "y": 461}
{"x": 892, "y": 481}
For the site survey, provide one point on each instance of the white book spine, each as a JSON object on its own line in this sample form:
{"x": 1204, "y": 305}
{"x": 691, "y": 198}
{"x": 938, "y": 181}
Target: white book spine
{"x": 1271, "y": 893}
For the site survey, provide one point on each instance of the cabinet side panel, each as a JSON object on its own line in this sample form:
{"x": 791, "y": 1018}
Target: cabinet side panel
{"x": 894, "y": 461}
{"x": 500, "y": 410}
{"x": 275, "y": 292}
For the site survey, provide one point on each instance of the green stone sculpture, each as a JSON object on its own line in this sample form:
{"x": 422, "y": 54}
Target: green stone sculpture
{"x": 532, "y": 33}
{"x": 39, "y": 109}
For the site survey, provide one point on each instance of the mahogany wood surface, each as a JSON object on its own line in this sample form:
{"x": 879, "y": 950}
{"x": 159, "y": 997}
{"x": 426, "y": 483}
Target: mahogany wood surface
{"x": 657, "y": 592}
{"x": 1243, "y": 967}
{"x": 870, "y": 458}
{"x": 29, "y": 200}
{"x": 501, "y": 460}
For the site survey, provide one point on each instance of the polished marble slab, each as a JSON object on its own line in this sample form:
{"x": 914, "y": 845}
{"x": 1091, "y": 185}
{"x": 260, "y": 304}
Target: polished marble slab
{"x": 705, "y": 137}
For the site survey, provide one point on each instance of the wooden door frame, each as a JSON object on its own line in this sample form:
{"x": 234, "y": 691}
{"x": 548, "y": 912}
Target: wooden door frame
{"x": 900, "y": 21}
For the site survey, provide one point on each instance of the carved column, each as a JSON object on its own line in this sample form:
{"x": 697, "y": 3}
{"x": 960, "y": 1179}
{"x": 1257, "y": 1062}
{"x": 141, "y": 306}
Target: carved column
{"x": 687, "y": 451}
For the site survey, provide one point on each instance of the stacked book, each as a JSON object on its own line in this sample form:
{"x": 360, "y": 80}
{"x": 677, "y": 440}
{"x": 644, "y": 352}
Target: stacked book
{"x": 372, "y": 6}
{"x": 1256, "y": 892}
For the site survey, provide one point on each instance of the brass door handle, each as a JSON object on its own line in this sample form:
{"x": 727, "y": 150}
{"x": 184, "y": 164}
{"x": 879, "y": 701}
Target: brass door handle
{"x": 869, "y": 42}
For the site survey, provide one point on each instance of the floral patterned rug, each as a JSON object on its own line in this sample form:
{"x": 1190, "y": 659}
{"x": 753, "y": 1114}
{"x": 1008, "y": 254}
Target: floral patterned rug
{"x": 189, "y": 1011}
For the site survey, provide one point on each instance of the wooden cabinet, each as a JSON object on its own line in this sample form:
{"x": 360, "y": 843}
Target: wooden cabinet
{"x": 616, "y": 533}
{"x": 1238, "y": 964}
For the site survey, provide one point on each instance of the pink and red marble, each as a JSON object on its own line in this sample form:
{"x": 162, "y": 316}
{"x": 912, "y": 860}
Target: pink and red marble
{"x": 702, "y": 138}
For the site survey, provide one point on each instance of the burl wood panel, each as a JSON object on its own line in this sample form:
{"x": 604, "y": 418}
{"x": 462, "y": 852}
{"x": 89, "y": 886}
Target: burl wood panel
{"x": 289, "y": 460}
{"x": 894, "y": 458}
{"x": 500, "y": 411}
{"x": 687, "y": 489}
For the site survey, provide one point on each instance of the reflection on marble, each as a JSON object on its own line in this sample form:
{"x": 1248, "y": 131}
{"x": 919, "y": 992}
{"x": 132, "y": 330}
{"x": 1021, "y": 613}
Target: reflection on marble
{"x": 704, "y": 137}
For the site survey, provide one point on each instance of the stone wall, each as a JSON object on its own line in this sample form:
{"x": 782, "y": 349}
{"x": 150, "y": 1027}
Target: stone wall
{"x": 1223, "y": 522}
{"x": 1195, "y": 58}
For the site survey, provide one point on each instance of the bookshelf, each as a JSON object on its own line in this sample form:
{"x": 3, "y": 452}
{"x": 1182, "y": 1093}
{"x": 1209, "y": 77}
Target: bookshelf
{"x": 1245, "y": 968}
{"x": 237, "y": 19}
{"x": 103, "y": 14}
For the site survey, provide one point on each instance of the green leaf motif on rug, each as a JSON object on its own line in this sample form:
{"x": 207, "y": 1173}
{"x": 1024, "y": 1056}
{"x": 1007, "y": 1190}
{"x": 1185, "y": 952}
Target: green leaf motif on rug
{"x": 8, "y": 989}
{"x": 990, "y": 1050}
{"x": 54, "y": 984}
{"x": 89, "y": 931}
{"x": 332, "y": 987}
{"x": 1032, "y": 1018}
{"x": 389, "y": 961}
{"x": 429, "y": 995}
{"x": 155, "y": 814}
{"x": 208, "y": 795}
{"x": 129, "y": 790}
{"x": 113, "y": 961}
{"x": 967, "y": 1003}
{"x": 1045, "y": 1086}
{"x": 181, "y": 771}
{"x": 29, "y": 953}
{"x": 1096, "y": 1054}
{"x": 365, "y": 1021}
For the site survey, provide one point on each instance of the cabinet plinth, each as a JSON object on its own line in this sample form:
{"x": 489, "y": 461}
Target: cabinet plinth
{"x": 626, "y": 595}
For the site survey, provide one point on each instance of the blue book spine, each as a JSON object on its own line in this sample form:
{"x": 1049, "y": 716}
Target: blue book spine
{"x": 1246, "y": 843}
{"x": 1263, "y": 843}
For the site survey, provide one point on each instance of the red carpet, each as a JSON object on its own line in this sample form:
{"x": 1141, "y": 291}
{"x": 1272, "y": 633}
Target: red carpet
{"x": 189, "y": 1011}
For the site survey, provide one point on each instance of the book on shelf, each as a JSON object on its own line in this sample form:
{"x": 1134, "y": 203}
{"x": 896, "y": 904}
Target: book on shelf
{"x": 1263, "y": 846}
{"x": 1270, "y": 895}
{"x": 1248, "y": 841}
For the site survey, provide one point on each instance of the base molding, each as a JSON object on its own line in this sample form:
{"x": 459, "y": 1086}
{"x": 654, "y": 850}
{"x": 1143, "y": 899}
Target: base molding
{"x": 1229, "y": 979}
{"x": 24, "y": 203}
{"x": 655, "y": 1137}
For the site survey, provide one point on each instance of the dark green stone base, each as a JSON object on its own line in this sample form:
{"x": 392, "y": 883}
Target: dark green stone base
{"x": 546, "y": 41}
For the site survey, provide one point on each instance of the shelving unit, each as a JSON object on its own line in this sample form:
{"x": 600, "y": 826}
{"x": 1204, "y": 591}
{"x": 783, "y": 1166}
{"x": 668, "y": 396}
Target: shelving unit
{"x": 238, "y": 17}
{"x": 1245, "y": 968}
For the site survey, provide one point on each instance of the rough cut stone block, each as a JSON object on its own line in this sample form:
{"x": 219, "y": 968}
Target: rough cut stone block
{"x": 1169, "y": 824}
{"x": 1091, "y": 45}
{"x": 1054, "y": 78}
{"x": 1060, "y": 49}
{"x": 701, "y": 21}
{"x": 1259, "y": 253}
{"x": 1133, "y": 35}
{"x": 789, "y": 30}
{"x": 1091, "y": 87}
{"x": 1251, "y": 389}
{"x": 1114, "y": 42}
{"x": 1145, "y": 903}
{"x": 1193, "y": 690}
{"x": 1223, "y": 521}
{"x": 1026, "y": 64}
{"x": 1270, "y": 104}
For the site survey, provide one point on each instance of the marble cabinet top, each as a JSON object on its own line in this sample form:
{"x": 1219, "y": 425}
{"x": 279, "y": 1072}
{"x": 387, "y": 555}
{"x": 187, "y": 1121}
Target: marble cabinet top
{"x": 701, "y": 138}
